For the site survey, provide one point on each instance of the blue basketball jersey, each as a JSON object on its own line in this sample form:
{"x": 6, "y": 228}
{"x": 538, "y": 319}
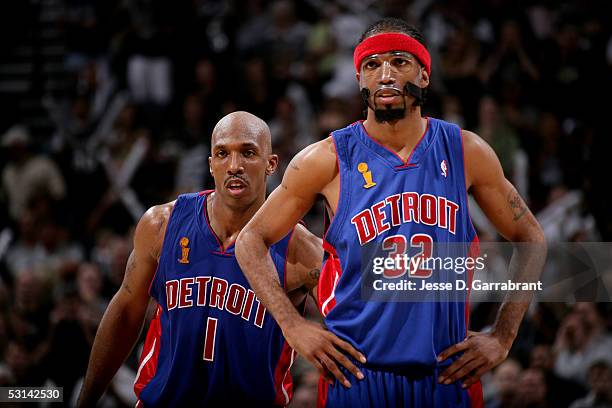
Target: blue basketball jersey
{"x": 211, "y": 343}
{"x": 396, "y": 205}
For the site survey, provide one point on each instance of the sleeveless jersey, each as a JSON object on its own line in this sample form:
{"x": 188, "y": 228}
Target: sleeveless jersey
{"x": 211, "y": 343}
{"x": 396, "y": 205}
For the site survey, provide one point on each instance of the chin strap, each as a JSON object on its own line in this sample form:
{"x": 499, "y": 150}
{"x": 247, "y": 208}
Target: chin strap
{"x": 365, "y": 95}
{"x": 416, "y": 92}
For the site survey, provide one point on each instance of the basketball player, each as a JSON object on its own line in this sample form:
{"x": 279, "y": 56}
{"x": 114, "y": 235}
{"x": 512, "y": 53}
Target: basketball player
{"x": 401, "y": 180}
{"x": 211, "y": 342}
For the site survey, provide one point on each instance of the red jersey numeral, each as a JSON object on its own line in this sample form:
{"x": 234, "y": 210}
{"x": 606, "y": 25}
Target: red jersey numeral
{"x": 209, "y": 339}
{"x": 396, "y": 245}
{"x": 425, "y": 242}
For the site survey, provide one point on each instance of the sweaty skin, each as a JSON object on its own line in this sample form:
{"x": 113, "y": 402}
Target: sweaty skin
{"x": 314, "y": 172}
{"x": 241, "y": 150}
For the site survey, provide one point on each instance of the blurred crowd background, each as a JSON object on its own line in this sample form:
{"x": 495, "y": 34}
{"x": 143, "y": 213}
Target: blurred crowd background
{"x": 107, "y": 107}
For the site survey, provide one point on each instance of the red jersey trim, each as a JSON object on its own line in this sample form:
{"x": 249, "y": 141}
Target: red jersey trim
{"x": 150, "y": 354}
{"x": 326, "y": 289}
{"x": 407, "y": 162}
{"x": 322, "y": 392}
{"x": 282, "y": 376}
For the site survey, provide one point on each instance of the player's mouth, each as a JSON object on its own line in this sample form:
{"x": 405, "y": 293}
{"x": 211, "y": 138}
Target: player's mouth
{"x": 388, "y": 96}
{"x": 235, "y": 186}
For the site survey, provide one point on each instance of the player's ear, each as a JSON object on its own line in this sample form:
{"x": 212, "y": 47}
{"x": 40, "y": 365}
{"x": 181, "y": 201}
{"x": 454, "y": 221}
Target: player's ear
{"x": 357, "y": 76}
{"x": 210, "y": 165}
{"x": 424, "y": 82}
{"x": 272, "y": 164}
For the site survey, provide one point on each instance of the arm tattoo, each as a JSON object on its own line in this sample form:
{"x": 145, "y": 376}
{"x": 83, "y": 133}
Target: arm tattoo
{"x": 127, "y": 288}
{"x": 131, "y": 265}
{"x": 516, "y": 204}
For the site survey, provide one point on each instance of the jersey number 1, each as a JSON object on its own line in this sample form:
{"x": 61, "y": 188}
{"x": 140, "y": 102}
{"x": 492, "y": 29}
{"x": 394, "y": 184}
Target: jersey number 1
{"x": 209, "y": 339}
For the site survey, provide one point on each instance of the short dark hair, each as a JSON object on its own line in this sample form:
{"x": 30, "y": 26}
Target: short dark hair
{"x": 393, "y": 25}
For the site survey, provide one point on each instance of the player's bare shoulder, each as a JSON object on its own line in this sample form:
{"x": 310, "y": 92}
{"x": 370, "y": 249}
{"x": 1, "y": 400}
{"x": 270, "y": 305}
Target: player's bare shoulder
{"x": 151, "y": 228}
{"x": 316, "y": 164}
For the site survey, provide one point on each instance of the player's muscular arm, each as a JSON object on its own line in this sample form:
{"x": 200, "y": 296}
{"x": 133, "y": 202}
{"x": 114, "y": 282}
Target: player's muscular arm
{"x": 508, "y": 212}
{"x": 304, "y": 260}
{"x": 307, "y": 175}
{"x": 123, "y": 319}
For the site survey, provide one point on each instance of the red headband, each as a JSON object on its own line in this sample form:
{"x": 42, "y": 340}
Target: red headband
{"x": 388, "y": 42}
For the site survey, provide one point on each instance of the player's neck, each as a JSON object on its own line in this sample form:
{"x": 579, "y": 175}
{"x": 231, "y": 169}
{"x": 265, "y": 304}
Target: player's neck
{"x": 400, "y": 136}
{"x": 227, "y": 220}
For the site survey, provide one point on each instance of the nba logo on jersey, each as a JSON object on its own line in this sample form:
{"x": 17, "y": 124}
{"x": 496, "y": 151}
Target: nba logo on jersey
{"x": 444, "y": 168}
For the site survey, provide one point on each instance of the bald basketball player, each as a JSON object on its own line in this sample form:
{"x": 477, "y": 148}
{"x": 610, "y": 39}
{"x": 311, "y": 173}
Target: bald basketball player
{"x": 211, "y": 341}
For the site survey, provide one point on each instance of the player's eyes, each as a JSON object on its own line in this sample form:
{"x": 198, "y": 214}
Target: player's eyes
{"x": 221, "y": 153}
{"x": 371, "y": 65}
{"x": 249, "y": 153}
{"x": 400, "y": 61}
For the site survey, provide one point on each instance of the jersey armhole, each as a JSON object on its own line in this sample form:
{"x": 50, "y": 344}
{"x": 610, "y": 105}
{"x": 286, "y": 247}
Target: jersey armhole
{"x": 343, "y": 190}
{"x": 163, "y": 252}
{"x": 465, "y": 187}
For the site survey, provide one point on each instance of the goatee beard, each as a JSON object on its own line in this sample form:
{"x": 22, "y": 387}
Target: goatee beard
{"x": 389, "y": 115}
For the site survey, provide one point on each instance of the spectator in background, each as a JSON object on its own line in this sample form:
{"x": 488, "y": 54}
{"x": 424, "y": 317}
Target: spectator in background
{"x": 460, "y": 61}
{"x": 503, "y": 388}
{"x": 452, "y": 110}
{"x": 96, "y": 83}
{"x": 27, "y": 175}
{"x": 581, "y": 341}
{"x": 546, "y": 169}
{"x": 565, "y": 64}
{"x": 70, "y": 340}
{"x": 110, "y": 253}
{"x": 62, "y": 255}
{"x": 561, "y": 392}
{"x": 533, "y": 389}
{"x": 285, "y": 33}
{"x": 321, "y": 43}
{"x": 189, "y": 149}
{"x": 289, "y": 134}
{"x": 149, "y": 67}
{"x": 503, "y": 139}
{"x": 89, "y": 286}
{"x": 510, "y": 61}
{"x": 206, "y": 88}
{"x": 249, "y": 34}
{"x": 44, "y": 243}
{"x": 27, "y": 251}
{"x": 600, "y": 383}
{"x": 21, "y": 368}
{"x": 122, "y": 156}
{"x": 254, "y": 91}
{"x": 28, "y": 319}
